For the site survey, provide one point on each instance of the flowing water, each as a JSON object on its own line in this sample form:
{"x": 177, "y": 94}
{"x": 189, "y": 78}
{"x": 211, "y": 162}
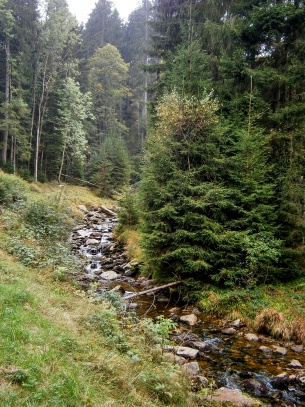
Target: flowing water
{"x": 231, "y": 361}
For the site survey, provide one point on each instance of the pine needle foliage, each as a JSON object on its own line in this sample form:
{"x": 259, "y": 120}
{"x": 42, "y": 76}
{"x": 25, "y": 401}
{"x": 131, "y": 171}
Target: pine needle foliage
{"x": 207, "y": 198}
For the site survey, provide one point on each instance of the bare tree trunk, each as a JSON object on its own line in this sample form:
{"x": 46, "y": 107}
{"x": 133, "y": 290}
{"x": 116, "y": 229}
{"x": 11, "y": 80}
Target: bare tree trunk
{"x": 146, "y": 73}
{"x": 33, "y": 108}
{"x": 7, "y": 99}
{"x": 39, "y": 123}
{"x": 62, "y": 163}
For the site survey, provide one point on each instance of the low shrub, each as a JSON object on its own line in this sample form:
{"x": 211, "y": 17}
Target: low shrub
{"x": 12, "y": 189}
{"x": 46, "y": 220}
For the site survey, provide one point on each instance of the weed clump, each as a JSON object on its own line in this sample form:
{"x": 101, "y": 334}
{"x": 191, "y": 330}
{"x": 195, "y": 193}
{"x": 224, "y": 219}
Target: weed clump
{"x": 273, "y": 323}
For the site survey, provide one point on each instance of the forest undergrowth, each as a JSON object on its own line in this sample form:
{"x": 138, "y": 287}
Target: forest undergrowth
{"x": 58, "y": 346}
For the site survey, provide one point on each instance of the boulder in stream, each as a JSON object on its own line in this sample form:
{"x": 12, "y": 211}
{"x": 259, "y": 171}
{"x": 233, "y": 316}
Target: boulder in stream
{"x": 295, "y": 364}
{"x": 232, "y": 397}
{"x": 297, "y": 348}
{"x": 185, "y": 352}
{"x": 229, "y": 331}
{"x": 251, "y": 337}
{"x": 256, "y": 387}
{"x": 171, "y": 357}
{"x": 279, "y": 350}
{"x": 192, "y": 368}
{"x": 190, "y": 319}
{"x": 109, "y": 275}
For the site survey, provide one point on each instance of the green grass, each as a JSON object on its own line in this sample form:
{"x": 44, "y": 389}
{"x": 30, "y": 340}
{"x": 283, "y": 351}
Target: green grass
{"x": 58, "y": 347}
{"x": 286, "y": 300}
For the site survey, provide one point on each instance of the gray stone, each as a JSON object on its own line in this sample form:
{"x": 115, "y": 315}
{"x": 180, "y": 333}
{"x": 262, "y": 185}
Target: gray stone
{"x": 190, "y": 319}
{"x": 236, "y": 323}
{"x": 281, "y": 381}
{"x": 295, "y": 364}
{"x": 185, "y": 352}
{"x": 191, "y": 368}
{"x": 83, "y": 233}
{"x": 229, "y": 331}
{"x": 265, "y": 349}
{"x": 171, "y": 357}
{"x": 301, "y": 379}
{"x": 234, "y": 397}
{"x": 92, "y": 242}
{"x": 256, "y": 387}
{"x": 201, "y": 381}
{"x": 109, "y": 275}
{"x": 251, "y": 337}
{"x": 297, "y": 348}
{"x": 201, "y": 346}
{"x": 279, "y": 350}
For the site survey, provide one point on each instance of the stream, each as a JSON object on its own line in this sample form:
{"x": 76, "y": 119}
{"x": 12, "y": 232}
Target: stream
{"x": 227, "y": 353}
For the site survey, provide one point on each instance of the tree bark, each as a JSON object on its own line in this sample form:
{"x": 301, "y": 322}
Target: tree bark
{"x": 7, "y": 99}
{"x": 153, "y": 289}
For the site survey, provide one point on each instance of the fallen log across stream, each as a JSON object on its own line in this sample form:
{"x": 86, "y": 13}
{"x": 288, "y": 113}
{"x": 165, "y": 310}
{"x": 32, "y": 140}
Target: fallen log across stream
{"x": 151, "y": 290}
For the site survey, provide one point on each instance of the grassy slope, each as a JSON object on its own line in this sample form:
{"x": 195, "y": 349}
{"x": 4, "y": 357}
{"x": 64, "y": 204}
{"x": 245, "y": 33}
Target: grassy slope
{"x": 58, "y": 347}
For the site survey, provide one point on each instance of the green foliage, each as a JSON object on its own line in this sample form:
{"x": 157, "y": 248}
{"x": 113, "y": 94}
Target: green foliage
{"x": 12, "y": 189}
{"x": 46, "y": 220}
{"x": 208, "y": 202}
{"x": 111, "y": 168}
{"x": 107, "y": 323}
{"x": 129, "y": 211}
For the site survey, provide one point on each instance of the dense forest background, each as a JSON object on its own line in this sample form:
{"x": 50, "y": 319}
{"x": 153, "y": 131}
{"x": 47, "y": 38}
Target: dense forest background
{"x": 218, "y": 87}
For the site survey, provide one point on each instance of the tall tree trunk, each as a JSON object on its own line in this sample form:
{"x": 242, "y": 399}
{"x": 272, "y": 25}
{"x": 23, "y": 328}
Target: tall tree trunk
{"x": 39, "y": 123}
{"x": 62, "y": 163}
{"x": 7, "y": 98}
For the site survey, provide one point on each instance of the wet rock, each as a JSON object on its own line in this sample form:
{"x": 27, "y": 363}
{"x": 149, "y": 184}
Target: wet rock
{"x": 301, "y": 379}
{"x": 82, "y": 233}
{"x": 237, "y": 323}
{"x": 234, "y": 397}
{"x": 96, "y": 235}
{"x": 174, "y": 317}
{"x": 295, "y": 364}
{"x": 109, "y": 275}
{"x": 191, "y": 368}
{"x": 187, "y": 353}
{"x": 251, "y": 337}
{"x": 279, "y": 350}
{"x": 190, "y": 319}
{"x": 281, "y": 381}
{"x": 92, "y": 242}
{"x": 265, "y": 349}
{"x": 171, "y": 357}
{"x": 299, "y": 394}
{"x": 199, "y": 382}
{"x": 229, "y": 331}
{"x": 297, "y": 348}
{"x": 201, "y": 346}
{"x": 256, "y": 387}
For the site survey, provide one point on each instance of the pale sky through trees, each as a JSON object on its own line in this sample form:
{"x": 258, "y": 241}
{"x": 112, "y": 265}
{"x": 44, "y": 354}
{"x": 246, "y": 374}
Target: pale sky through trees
{"x": 82, "y": 8}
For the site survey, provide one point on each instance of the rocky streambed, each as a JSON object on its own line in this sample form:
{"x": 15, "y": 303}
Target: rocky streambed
{"x": 223, "y": 355}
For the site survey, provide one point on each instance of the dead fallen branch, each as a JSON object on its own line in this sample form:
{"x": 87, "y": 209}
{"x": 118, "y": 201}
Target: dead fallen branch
{"x": 106, "y": 211}
{"x": 151, "y": 290}
{"x": 77, "y": 179}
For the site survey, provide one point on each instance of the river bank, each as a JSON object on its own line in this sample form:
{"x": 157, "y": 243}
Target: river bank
{"x": 216, "y": 353}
